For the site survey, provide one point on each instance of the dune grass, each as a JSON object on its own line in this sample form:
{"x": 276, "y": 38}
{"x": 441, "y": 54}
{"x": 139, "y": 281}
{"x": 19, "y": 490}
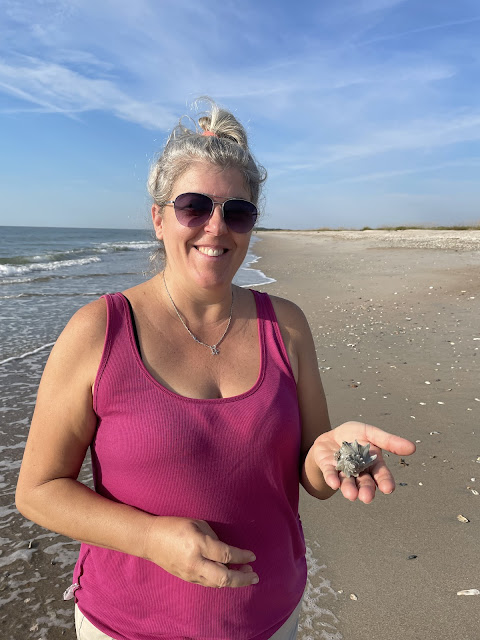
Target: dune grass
{"x": 472, "y": 227}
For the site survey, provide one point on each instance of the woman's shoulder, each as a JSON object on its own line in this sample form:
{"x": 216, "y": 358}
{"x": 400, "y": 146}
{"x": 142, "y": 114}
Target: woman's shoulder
{"x": 77, "y": 351}
{"x": 289, "y": 315}
{"x": 89, "y": 320}
{"x": 84, "y": 334}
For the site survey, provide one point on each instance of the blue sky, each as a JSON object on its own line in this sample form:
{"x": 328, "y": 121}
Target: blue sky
{"x": 364, "y": 112}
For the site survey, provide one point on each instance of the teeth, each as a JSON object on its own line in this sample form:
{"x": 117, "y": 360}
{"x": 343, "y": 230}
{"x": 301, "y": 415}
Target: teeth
{"x": 211, "y": 252}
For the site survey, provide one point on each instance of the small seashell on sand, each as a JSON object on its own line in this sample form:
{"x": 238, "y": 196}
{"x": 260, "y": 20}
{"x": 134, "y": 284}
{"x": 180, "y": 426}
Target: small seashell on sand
{"x": 353, "y": 458}
{"x": 353, "y": 596}
{"x": 469, "y": 592}
{"x": 461, "y": 518}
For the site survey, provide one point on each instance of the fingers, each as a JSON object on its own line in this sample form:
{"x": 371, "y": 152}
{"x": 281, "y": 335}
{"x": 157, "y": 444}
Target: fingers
{"x": 366, "y": 488}
{"x": 348, "y": 487}
{"x": 389, "y": 441}
{"x": 218, "y": 575}
{"x": 330, "y": 475}
{"x": 214, "y": 565}
{"x": 226, "y": 554}
{"x": 244, "y": 568}
{"x": 382, "y": 476}
{"x": 362, "y": 488}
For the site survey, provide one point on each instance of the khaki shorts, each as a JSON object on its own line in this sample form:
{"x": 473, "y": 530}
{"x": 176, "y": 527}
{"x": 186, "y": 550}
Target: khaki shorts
{"x": 86, "y": 631}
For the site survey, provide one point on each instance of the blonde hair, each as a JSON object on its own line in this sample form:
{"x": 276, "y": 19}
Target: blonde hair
{"x": 226, "y": 149}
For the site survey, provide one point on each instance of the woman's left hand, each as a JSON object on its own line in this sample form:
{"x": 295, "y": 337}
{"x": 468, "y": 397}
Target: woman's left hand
{"x": 377, "y": 475}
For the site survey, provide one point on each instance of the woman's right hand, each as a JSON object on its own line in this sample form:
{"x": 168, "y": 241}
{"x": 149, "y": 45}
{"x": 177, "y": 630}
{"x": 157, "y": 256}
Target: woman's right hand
{"x": 190, "y": 550}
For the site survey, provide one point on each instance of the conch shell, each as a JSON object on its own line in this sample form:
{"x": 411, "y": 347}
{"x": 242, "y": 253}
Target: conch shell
{"x": 353, "y": 458}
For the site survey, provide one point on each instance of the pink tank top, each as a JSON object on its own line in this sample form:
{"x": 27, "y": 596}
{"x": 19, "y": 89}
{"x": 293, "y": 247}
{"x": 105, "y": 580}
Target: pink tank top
{"x": 233, "y": 462}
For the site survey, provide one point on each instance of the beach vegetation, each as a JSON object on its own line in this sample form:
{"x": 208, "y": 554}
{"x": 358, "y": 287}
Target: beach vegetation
{"x": 472, "y": 227}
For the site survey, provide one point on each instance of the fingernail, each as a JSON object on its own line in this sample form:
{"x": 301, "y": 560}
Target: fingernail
{"x": 255, "y": 580}
{"x": 252, "y": 558}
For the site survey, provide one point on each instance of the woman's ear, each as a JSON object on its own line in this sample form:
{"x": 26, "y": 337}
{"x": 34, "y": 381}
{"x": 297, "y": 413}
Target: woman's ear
{"x": 157, "y": 221}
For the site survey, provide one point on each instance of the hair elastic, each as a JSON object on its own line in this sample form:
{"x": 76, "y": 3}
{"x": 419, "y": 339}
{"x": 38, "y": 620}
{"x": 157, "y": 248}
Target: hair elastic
{"x": 209, "y": 133}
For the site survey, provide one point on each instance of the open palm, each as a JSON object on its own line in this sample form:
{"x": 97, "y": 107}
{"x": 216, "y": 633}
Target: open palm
{"x": 377, "y": 475}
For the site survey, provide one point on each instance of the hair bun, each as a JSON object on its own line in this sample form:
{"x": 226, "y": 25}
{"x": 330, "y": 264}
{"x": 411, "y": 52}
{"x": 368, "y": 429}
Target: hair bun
{"x": 223, "y": 124}
{"x": 204, "y": 123}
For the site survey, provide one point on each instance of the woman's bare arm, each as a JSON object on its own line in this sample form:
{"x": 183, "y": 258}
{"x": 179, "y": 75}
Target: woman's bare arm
{"x": 62, "y": 429}
{"x": 311, "y": 397}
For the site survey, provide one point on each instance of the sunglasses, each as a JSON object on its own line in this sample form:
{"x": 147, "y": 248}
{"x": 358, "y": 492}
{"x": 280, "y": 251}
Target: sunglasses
{"x": 194, "y": 209}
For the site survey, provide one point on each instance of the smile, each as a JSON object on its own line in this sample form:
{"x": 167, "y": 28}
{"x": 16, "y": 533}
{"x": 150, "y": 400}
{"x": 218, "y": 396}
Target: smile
{"x": 208, "y": 251}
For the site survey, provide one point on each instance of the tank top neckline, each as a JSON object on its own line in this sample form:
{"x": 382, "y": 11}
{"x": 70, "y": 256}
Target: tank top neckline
{"x": 143, "y": 369}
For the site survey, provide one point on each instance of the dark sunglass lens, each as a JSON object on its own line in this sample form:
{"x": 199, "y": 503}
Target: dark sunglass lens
{"x": 240, "y": 215}
{"x": 192, "y": 209}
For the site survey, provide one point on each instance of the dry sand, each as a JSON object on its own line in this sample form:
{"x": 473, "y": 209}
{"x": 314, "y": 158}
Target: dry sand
{"x": 396, "y": 322}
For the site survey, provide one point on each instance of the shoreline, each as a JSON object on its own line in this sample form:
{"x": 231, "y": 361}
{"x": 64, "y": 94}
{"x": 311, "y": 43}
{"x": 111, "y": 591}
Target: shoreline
{"x": 253, "y": 274}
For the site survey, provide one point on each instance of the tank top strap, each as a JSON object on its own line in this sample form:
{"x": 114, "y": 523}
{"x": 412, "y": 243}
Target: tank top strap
{"x": 119, "y": 332}
{"x": 274, "y": 345}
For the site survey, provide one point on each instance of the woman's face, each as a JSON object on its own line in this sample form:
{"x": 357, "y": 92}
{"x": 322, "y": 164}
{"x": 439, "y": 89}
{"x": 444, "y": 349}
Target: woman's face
{"x": 186, "y": 247}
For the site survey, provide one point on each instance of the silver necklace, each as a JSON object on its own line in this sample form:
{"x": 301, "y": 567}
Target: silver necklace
{"x": 212, "y": 347}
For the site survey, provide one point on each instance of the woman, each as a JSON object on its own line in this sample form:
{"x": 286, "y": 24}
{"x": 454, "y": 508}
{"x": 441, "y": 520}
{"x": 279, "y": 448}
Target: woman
{"x": 203, "y": 407}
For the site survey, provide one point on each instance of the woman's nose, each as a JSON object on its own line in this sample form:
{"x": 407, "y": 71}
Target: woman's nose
{"x": 216, "y": 222}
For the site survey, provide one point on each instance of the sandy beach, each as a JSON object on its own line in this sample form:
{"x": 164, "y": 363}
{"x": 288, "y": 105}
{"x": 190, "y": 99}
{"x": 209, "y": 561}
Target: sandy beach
{"x": 395, "y": 318}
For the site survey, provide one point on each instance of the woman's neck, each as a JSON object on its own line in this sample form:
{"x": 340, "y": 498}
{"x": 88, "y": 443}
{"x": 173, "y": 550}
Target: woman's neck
{"x": 198, "y": 306}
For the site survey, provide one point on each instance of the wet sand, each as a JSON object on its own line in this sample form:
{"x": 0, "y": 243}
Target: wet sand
{"x": 395, "y": 317}
{"x": 389, "y": 313}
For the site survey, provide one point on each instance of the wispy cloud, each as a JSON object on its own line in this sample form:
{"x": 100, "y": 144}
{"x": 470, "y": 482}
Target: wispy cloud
{"x": 386, "y": 175}
{"x": 58, "y": 89}
{"x": 424, "y": 136}
{"x": 423, "y": 29}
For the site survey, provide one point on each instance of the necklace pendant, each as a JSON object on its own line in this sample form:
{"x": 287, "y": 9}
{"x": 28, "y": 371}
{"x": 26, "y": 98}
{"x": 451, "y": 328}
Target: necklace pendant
{"x": 214, "y": 349}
